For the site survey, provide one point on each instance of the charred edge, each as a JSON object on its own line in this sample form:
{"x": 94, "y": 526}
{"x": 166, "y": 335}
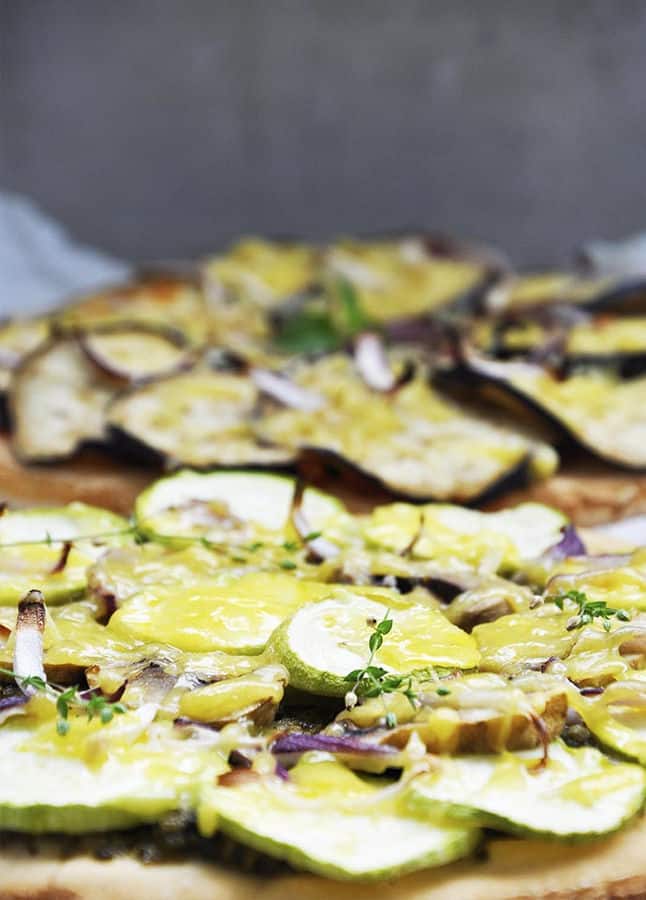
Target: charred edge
{"x": 627, "y": 365}
{"x": 316, "y": 463}
{"x": 569, "y": 438}
{"x": 126, "y": 446}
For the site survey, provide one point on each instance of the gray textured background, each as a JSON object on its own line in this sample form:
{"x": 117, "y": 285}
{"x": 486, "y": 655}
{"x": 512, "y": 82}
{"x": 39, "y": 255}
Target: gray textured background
{"x": 161, "y": 128}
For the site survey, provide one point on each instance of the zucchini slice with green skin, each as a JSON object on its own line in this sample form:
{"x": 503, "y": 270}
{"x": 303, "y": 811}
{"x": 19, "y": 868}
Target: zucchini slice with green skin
{"x": 595, "y": 410}
{"x": 415, "y": 443}
{"x": 57, "y": 401}
{"x": 578, "y": 793}
{"x": 93, "y": 526}
{"x": 235, "y": 507}
{"x": 200, "y": 419}
{"x": 60, "y": 573}
{"x": 332, "y": 823}
{"x": 97, "y": 777}
{"x": 617, "y": 716}
{"x": 326, "y": 640}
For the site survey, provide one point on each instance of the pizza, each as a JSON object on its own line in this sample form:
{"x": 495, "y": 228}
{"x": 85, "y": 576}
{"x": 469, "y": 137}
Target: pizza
{"x": 298, "y": 590}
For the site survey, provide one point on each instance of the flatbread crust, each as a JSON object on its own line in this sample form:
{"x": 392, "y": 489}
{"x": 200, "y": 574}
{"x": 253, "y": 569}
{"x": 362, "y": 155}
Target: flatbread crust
{"x": 588, "y": 495}
{"x": 612, "y": 867}
{"x": 92, "y": 477}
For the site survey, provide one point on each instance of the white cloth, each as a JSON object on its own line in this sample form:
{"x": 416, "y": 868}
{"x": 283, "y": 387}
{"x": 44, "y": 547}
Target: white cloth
{"x": 40, "y": 266}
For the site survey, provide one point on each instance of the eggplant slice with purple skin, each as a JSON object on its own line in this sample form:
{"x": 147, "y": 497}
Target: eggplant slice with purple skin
{"x": 414, "y": 442}
{"x": 164, "y": 301}
{"x": 594, "y": 410}
{"x": 528, "y": 292}
{"x": 17, "y": 339}
{"x": 567, "y": 339}
{"x": 131, "y": 355}
{"x": 57, "y": 402}
{"x": 200, "y": 419}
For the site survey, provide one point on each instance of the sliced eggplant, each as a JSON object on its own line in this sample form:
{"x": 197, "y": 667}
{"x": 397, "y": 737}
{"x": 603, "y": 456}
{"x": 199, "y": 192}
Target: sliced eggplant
{"x": 137, "y": 354}
{"x": 57, "y": 402}
{"x": 163, "y": 301}
{"x": 407, "y": 277}
{"x": 246, "y": 285}
{"x": 532, "y": 291}
{"x": 414, "y": 442}
{"x": 568, "y": 340}
{"x": 614, "y": 341}
{"x": 17, "y": 340}
{"x": 593, "y": 409}
{"x": 201, "y": 419}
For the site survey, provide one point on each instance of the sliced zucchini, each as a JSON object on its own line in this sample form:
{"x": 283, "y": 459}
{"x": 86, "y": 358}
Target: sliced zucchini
{"x": 414, "y": 442}
{"x": 137, "y": 354}
{"x": 97, "y": 777}
{"x": 451, "y": 535}
{"x": 163, "y": 301}
{"x": 236, "y": 615}
{"x": 321, "y": 819}
{"x": 577, "y": 793}
{"x": 199, "y": 419}
{"x": 326, "y": 640}
{"x": 60, "y": 573}
{"x": 616, "y": 716}
{"x": 593, "y": 408}
{"x": 477, "y": 713}
{"x": 57, "y": 402}
{"x": 91, "y": 525}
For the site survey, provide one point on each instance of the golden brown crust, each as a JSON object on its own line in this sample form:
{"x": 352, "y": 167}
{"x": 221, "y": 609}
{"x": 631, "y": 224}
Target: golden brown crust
{"x": 588, "y": 496}
{"x": 614, "y": 867}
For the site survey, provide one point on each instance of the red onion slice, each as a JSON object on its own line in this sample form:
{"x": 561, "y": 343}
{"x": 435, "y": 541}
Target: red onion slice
{"x": 569, "y": 545}
{"x": 285, "y": 391}
{"x": 12, "y": 706}
{"x": 28, "y": 652}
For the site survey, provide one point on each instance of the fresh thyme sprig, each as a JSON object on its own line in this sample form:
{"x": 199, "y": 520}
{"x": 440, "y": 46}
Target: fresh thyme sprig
{"x": 589, "y": 610}
{"x": 95, "y": 706}
{"x": 375, "y": 681}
